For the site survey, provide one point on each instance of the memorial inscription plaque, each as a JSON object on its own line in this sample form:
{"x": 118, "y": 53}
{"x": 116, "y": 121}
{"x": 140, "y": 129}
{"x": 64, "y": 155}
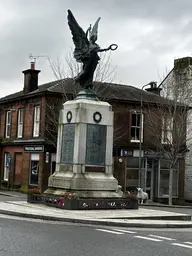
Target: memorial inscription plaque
{"x": 96, "y": 144}
{"x": 67, "y": 148}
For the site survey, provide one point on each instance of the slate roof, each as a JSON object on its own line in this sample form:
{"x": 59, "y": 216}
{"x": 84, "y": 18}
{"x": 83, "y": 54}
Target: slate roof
{"x": 108, "y": 91}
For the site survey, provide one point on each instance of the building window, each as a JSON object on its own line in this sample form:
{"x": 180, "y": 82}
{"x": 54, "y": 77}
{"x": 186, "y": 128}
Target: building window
{"x": 53, "y": 163}
{"x": 136, "y": 127}
{"x": 36, "y": 123}
{"x": 8, "y": 124}
{"x": 167, "y": 129}
{"x": 20, "y": 124}
{"x": 6, "y": 167}
{"x": 132, "y": 173}
{"x": 34, "y": 169}
{"x": 164, "y": 179}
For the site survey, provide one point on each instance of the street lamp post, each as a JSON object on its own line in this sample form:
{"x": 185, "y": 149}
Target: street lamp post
{"x": 141, "y": 134}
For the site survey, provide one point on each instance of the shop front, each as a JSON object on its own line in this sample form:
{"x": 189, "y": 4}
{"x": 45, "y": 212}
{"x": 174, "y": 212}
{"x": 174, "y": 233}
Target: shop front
{"x": 27, "y": 166}
{"x": 42, "y": 163}
{"x": 153, "y": 176}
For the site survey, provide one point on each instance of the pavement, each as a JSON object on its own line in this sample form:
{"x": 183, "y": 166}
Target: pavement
{"x": 15, "y": 204}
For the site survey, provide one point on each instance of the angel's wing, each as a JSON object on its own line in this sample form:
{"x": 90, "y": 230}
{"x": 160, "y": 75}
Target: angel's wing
{"x": 94, "y": 30}
{"x": 79, "y": 38}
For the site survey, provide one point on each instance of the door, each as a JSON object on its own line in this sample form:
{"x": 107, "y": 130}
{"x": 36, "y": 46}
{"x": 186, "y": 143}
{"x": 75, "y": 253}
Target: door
{"x": 149, "y": 178}
{"x": 18, "y": 168}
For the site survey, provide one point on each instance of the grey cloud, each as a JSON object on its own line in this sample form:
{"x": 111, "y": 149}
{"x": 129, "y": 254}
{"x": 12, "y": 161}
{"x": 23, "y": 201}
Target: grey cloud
{"x": 149, "y": 34}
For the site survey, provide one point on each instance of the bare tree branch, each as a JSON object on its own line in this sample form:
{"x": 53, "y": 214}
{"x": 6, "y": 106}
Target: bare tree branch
{"x": 167, "y": 124}
{"x": 105, "y": 73}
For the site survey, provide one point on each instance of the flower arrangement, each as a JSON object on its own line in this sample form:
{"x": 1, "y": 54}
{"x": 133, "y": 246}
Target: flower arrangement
{"x": 34, "y": 191}
{"x": 68, "y": 195}
{"x": 130, "y": 195}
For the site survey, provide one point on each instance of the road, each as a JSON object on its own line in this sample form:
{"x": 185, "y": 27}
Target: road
{"x": 21, "y": 236}
{"x": 27, "y": 237}
{"x": 13, "y": 196}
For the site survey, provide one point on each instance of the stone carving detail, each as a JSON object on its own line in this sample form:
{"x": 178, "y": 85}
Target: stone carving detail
{"x": 97, "y": 117}
{"x": 96, "y": 184}
{"x": 69, "y": 116}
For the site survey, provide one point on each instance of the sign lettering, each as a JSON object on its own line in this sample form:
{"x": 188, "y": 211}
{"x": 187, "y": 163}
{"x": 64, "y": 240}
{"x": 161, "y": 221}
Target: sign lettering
{"x": 37, "y": 148}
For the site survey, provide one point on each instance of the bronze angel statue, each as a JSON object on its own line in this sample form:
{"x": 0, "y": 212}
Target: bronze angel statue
{"x": 86, "y": 50}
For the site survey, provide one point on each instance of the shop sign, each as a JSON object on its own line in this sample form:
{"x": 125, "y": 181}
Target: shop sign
{"x": 34, "y": 148}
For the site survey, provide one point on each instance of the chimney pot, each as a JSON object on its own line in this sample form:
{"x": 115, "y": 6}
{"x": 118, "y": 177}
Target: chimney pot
{"x": 30, "y": 79}
{"x": 33, "y": 65}
{"x": 153, "y": 88}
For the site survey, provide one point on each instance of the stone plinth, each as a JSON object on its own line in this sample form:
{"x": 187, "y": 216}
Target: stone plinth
{"x": 84, "y": 151}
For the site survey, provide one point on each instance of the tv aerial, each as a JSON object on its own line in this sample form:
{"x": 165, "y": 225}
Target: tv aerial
{"x": 34, "y": 58}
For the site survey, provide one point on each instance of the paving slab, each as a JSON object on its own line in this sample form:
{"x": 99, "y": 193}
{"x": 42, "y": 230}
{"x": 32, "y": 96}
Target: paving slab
{"x": 129, "y": 218}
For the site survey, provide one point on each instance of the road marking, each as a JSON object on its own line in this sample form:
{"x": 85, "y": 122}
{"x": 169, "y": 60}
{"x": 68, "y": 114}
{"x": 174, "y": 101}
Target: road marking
{"x": 126, "y": 231}
{"x": 162, "y": 237}
{"x": 188, "y": 243}
{"x": 110, "y": 231}
{"x": 148, "y": 238}
{"x": 182, "y": 245}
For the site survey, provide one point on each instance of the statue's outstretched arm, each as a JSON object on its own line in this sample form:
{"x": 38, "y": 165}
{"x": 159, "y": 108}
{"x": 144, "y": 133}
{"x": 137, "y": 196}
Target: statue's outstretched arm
{"x": 112, "y": 47}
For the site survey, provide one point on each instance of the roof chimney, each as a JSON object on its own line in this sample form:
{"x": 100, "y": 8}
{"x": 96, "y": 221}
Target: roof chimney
{"x": 182, "y": 63}
{"x": 30, "y": 79}
{"x": 153, "y": 88}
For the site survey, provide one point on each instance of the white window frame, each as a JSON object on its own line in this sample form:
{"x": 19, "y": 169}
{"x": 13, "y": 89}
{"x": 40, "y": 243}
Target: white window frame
{"x": 6, "y": 167}
{"x": 136, "y": 127}
{"x": 8, "y": 124}
{"x": 20, "y": 124}
{"x": 167, "y": 130}
{"x": 36, "y": 122}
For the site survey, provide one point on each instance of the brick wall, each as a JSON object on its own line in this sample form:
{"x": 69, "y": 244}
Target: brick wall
{"x": 122, "y": 125}
{"x": 51, "y": 106}
{"x": 188, "y": 177}
{"x": 2, "y": 124}
{"x": 26, "y": 169}
{"x": 28, "y": 120}
{"x": 181, "y": 184}
{"x": 28, "y": 117}
{"x": 11, "y": 150}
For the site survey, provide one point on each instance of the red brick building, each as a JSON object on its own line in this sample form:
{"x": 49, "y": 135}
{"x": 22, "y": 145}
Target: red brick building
{"x": 28, "y": 132}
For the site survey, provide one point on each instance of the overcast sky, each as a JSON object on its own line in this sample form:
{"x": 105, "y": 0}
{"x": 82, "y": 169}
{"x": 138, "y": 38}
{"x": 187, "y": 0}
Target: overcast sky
{"x": 150, "y": 35}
